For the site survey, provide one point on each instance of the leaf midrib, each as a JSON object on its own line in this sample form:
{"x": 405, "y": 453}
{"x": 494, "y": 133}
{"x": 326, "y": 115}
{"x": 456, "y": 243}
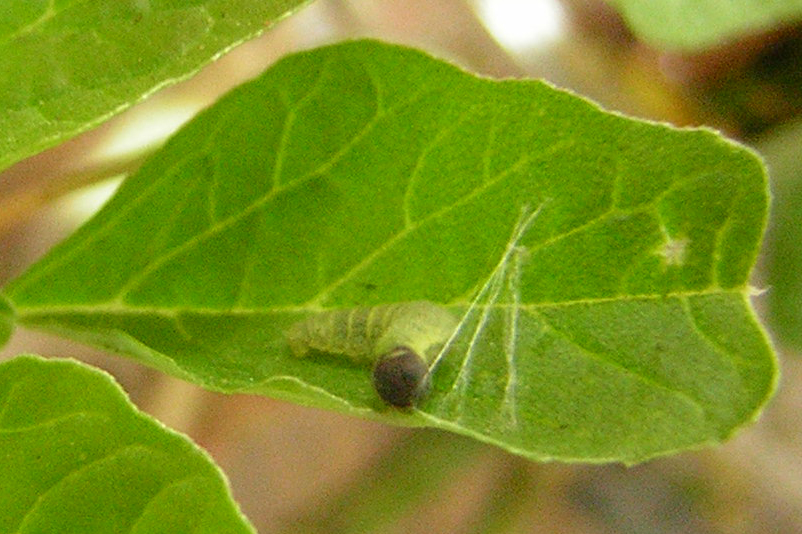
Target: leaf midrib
{"x": 114, "y": 308}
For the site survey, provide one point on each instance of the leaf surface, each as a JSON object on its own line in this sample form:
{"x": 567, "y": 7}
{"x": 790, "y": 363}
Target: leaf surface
{"x": 693, "y": 25}
{"x": 614, "y": 323}
{"x": 78, "y": 457}
{"x": 65, "y": 66}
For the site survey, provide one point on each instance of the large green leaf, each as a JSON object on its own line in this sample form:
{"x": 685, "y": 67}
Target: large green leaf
{"x": 65, "y": 65}
{"x": 77, "y": 457}
{"x": 615, "y": 327}
{"x": 699, "y": 24}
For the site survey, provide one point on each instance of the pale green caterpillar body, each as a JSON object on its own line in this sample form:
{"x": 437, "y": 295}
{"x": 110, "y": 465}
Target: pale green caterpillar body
{"x": 401, "y": 340}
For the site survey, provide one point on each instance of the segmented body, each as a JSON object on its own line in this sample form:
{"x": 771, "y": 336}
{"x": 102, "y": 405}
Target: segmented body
{"x": 401, "y": 340}
{"x": 365, "y": 334}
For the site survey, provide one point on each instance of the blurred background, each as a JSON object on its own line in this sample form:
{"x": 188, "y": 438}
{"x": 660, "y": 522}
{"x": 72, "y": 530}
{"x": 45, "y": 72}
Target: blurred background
{"x": 295, "y": 469}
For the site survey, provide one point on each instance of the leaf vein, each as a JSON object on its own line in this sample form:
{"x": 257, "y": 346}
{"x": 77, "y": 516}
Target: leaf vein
{"x": 325, "y": 292}
{"x": 73, "y": 473}
{"x": 441, "y": 135}
{"x": 258, "y": 203}
{"x": 602, "y": 358}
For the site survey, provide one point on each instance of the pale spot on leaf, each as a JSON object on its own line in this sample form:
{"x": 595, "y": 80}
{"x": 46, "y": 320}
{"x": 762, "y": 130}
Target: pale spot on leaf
{"x": 674, "y": 251}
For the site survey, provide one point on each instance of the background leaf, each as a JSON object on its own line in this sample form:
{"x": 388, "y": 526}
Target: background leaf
{"x": 6, "y": 320}
{"x": 67, "y": 66}
{"x": 78, "y": 457}
{"x": 698, "y": 24}
{"x": 394, "y": 487}
{"x": 784, "y": 240}
{"x": 365, "y": 173}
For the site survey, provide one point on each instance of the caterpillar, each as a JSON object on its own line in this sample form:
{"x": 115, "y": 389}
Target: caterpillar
{"x": 400, "y": 340}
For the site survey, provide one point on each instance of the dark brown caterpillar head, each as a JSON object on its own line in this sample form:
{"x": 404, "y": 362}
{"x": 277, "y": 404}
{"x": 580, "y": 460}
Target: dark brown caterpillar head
{"x": 401, "y": 378}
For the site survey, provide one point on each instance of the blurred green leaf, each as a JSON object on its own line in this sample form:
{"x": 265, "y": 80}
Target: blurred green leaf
{"x": 516, "y": 492}
{"x": 413, "y": 473}
{"x": 783, "y": 248}
{"x": 6, "y": 320}
{"x": 77, "y": 456}
{"x": 618, "y": 328}
{"x": 694, "y": 25}
{"x": 67, "y": 66}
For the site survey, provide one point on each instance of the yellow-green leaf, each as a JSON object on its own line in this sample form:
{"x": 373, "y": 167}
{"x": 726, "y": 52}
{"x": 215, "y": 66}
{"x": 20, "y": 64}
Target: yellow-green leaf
{"x": 615, "y": 324}
{"x": 78, "y": 457}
